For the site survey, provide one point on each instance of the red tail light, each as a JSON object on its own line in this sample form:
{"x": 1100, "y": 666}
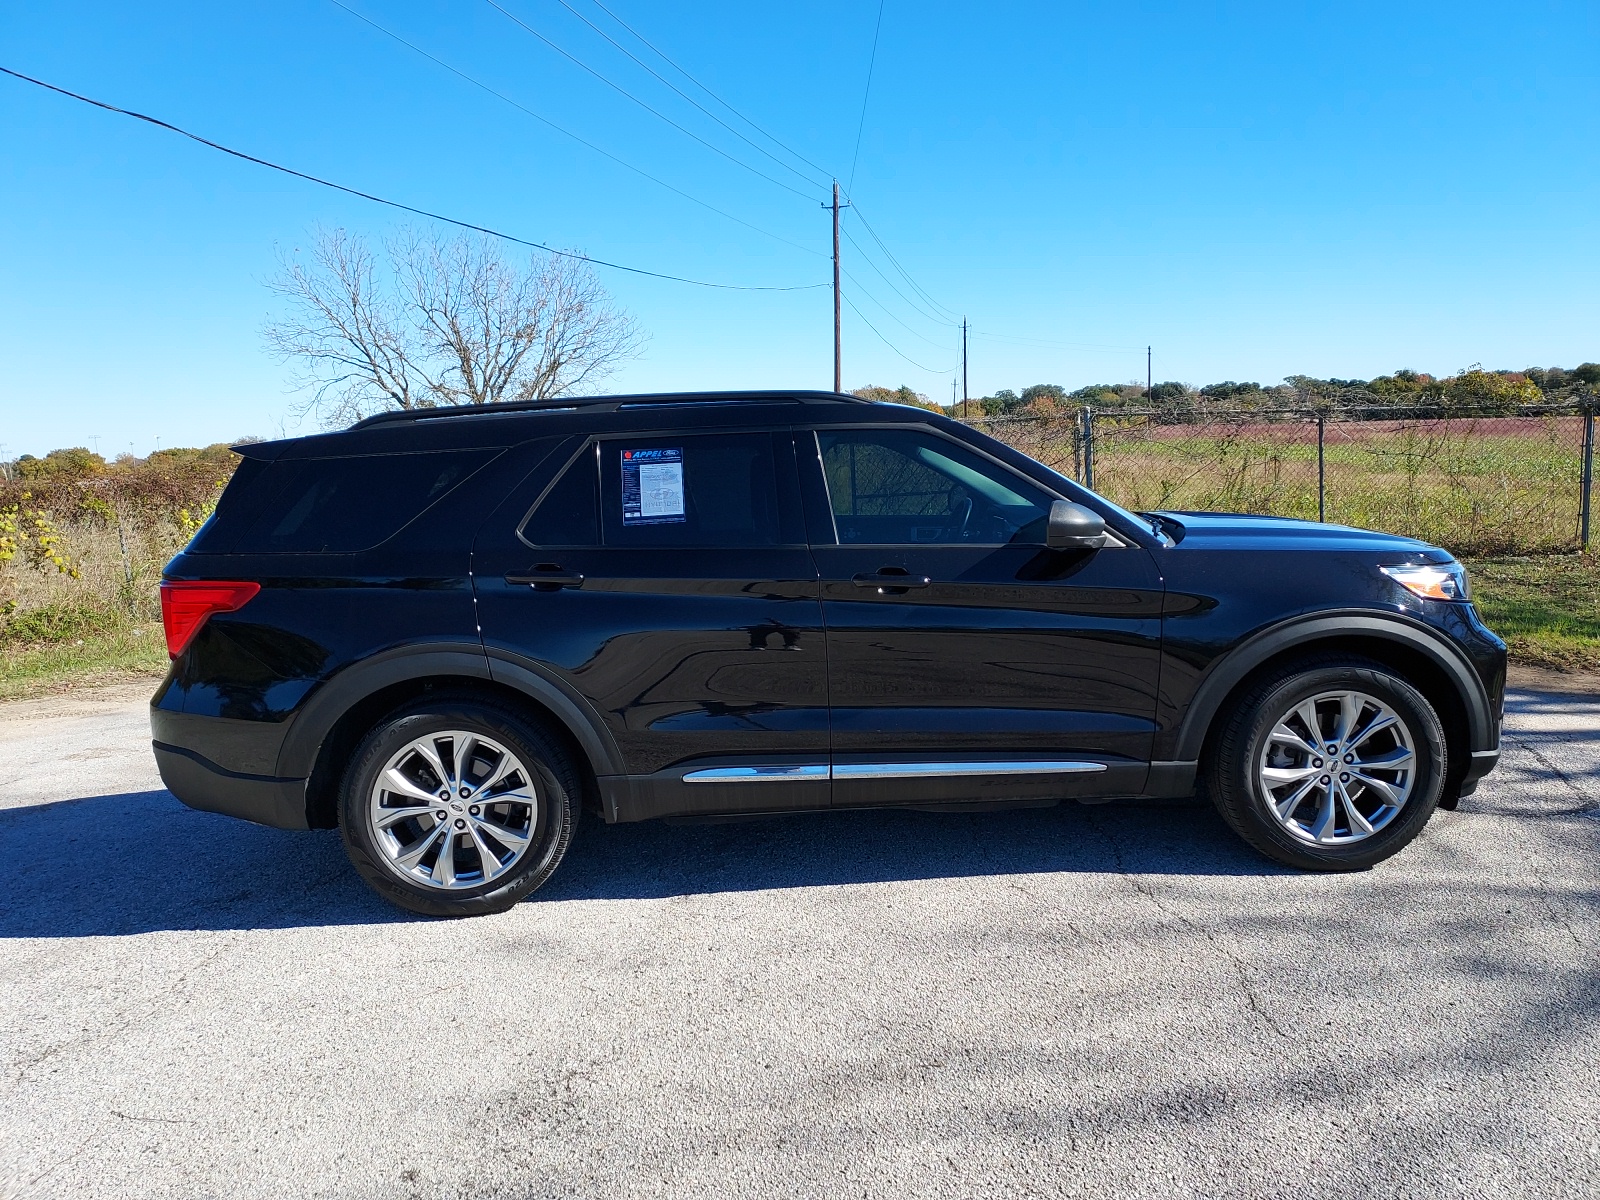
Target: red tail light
{"x": 186, "y": 603}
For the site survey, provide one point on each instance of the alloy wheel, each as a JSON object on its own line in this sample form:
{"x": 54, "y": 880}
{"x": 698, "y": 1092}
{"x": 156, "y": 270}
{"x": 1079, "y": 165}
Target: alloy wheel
{"x": 453, "y": 810}
{"x": 1337, "y": 768}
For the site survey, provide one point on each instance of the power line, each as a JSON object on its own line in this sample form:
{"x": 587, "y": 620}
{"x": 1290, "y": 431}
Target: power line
{"x": 889, "y": 254}
{"x": 582, "y": 141}
{"x": 662, "y": 55}
{"x": 421, "y": 212}
{"x": 784, "y": 146}
{"x": 1007, "y": 337}
{"x": 757, "y": 147}
{"x": 860, "y": 288}
{"x": 653, "y": 111}
{"x": 879, "y": 271}
{"x": 891, "y": 345}
{"x": 862, "y": 123}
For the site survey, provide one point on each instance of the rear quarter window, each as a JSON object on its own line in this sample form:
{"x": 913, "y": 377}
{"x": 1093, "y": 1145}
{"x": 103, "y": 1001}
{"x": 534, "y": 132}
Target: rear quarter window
{"x": 335, "y": 505}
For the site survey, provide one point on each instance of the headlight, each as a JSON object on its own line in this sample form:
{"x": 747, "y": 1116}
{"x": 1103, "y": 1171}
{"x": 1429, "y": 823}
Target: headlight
{"x": 1432, "y": 581}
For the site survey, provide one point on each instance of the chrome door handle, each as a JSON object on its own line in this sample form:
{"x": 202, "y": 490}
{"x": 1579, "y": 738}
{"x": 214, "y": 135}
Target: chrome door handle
{"x": 884, "y": 582}
{"x": 548, "y": 581}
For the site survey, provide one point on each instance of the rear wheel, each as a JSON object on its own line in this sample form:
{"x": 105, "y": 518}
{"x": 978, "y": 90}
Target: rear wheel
{"x": 1329, "y": 765}
{"x": 456, "y": 808}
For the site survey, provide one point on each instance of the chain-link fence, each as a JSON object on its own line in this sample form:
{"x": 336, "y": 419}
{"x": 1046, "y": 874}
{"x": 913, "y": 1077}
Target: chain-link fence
{"x": 1476, "y": 483}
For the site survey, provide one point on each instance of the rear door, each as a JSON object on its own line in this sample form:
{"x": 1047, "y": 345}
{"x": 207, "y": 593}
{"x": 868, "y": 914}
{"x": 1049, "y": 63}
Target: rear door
{"x": 665, "y": 578}
{"x": 967, "y": 660}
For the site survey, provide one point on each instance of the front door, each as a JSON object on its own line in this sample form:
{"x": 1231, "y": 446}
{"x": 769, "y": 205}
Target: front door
{"x": 666, "y": 580}
{"x": 966, "y": 660}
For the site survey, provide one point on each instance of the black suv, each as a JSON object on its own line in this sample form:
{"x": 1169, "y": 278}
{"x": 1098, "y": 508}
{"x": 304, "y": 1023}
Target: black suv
{"x": 447, "y": 631}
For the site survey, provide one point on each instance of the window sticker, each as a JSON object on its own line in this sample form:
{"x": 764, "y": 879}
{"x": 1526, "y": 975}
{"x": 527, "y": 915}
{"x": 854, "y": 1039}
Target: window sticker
{"x": 652, "y": 487}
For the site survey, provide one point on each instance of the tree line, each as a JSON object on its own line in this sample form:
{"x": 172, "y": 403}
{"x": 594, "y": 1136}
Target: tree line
{"x": 1474, "y": 389}
{"x": 76, "y": 482}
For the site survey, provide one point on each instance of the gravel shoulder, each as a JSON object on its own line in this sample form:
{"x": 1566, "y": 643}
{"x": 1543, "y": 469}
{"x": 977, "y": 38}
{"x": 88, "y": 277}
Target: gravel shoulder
{"x": 1110, "y": 1000}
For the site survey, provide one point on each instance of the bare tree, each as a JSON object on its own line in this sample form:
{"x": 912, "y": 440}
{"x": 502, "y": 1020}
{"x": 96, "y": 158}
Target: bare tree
{"x": 442, "y": 321}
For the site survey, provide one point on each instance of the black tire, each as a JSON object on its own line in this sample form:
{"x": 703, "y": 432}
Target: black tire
{"x": 1233, "y": 783}
{"x": 555, "y": 783}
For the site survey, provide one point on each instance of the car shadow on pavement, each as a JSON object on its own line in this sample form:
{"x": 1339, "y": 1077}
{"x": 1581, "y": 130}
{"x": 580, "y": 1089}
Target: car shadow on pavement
{"x": 655, "y": 859}
{"x": 141, "y": 861}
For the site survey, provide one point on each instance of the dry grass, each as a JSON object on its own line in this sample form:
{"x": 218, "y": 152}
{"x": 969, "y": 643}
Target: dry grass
{"x": 1481, "y": 486}
{"x": 57, "y": 630}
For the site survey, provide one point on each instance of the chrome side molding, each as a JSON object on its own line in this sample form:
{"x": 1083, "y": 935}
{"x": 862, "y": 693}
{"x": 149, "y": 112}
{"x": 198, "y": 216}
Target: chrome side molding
{"x": 917, "y": 770}
{"x": 911, "y": 770}
{"x": 757, "y": 774}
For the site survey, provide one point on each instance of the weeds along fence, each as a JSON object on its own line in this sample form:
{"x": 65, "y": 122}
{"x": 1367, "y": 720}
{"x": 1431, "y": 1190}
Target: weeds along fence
{"x": 1477, "y": 483}
{"x": 81, "y": 556}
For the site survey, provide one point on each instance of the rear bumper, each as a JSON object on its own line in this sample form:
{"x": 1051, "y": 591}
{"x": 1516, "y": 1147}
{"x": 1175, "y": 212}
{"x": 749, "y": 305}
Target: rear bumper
{"x": 188, "y": 749}
{"x": 201, "y": 784}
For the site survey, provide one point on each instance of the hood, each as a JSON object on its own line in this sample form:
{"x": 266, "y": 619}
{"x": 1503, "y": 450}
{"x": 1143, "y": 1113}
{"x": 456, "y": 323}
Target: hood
{"x": 1240, "y": 531}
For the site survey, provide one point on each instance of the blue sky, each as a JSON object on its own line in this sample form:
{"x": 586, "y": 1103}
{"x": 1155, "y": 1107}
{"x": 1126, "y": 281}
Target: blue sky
{"x": 1254, "y": 189}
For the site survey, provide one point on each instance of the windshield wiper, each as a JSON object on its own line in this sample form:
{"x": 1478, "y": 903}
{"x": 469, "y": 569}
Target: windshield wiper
{"x": 1163, "y": 526}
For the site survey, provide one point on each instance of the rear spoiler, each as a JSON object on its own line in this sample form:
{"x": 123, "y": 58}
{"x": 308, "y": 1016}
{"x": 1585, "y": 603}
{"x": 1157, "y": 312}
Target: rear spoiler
{"x": 260, "y": 451}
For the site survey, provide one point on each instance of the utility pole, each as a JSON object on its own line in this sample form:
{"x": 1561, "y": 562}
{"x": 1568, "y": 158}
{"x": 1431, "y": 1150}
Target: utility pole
{"x": 838, "y": 355}
{"x": 964, "y": 396}
{"x": 1147, "y": 377}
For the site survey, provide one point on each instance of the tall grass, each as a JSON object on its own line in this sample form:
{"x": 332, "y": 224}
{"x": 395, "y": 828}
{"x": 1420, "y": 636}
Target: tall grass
{"x": 1476, "y": 486}
{"x": 100, "y": 619}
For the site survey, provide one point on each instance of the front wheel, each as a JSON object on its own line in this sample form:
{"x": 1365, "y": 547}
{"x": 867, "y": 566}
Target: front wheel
{"x": 457, "y": 808}
{"x": 1331, "y": 765}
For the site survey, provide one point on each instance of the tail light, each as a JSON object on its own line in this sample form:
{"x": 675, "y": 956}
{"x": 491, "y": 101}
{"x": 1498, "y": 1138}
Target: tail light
{"x": 187, "y": 603}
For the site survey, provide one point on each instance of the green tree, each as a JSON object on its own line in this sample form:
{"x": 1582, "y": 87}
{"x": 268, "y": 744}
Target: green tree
{"x": 73, "y": 463}
{"x": 899, "y": 395}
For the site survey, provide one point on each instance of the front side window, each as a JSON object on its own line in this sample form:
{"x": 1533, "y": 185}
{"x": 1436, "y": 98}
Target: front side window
{"x": 702, "y": 490}
{"x": 910, "y": 487}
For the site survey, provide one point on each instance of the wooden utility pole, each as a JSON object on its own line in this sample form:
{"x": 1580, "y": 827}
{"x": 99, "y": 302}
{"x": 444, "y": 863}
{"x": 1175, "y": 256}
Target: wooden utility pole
{"x": 1147, "y": 377}
{"x": 838, "y": 356}
{"x": 964, "y": 396}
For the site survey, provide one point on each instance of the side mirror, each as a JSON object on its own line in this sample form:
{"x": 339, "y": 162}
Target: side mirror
{"x": 1074, "y": 527}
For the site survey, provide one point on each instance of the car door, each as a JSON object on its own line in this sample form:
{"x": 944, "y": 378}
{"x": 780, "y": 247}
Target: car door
{"x": 967, "y": 660}
{"x": 665, "y": 580}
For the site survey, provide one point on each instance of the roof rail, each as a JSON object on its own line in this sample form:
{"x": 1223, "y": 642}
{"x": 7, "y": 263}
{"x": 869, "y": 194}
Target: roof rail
{"x": 612, "y": 402}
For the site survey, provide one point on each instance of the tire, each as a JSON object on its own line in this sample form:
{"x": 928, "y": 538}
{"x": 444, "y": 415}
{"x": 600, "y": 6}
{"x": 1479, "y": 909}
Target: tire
{"x": 500, "y": 849}
{"x": 1345, "y": 817}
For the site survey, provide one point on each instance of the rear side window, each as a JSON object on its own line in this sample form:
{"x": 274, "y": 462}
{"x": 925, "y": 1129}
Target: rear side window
{"x": 705, "y": 490}
{"x": 235, "y": 511}
{"x": 339, "y": 505}
{"x": 568, "y": 514}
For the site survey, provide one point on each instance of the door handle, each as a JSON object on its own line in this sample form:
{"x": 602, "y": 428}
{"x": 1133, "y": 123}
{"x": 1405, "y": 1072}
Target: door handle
{"x": 890, "y": 582}
{"x": 548, "y": 580}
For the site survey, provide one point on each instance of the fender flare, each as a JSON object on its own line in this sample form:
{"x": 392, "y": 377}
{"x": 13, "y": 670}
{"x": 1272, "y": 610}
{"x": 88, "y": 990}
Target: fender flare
{"x": 338, "y": 695}
{"x": 570, "y": 706}
{"x": 1226, "y": 673}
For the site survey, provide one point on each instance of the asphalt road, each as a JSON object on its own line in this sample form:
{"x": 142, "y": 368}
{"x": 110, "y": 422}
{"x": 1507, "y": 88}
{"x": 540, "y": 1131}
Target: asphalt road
{"x": 1078, "y": 1001}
